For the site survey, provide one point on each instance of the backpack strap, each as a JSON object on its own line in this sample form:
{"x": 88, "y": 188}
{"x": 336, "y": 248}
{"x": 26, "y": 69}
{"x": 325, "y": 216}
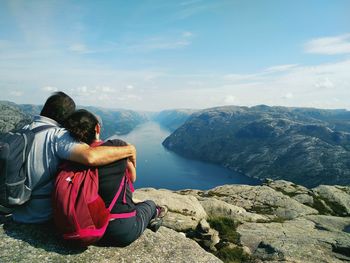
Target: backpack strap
{"x": 40, "y": 184}
{"x": 41, "y": 128}
{"x": 120, "y": 215}
{"x": 117, "y": 194}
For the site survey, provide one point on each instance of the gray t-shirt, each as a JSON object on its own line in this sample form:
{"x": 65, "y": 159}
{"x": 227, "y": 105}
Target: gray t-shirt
{"x": 49, "y": 148}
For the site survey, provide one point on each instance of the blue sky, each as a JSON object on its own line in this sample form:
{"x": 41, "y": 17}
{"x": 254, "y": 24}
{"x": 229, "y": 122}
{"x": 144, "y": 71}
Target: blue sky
{"x": 158, "y": 54}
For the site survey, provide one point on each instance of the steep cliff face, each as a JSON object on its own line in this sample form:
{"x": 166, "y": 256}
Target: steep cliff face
{"x": 306, "y": 146}
{"x": 275, "y": 222}
{"x": 117, "y": 122}
{"x": 12, "y": 117}
{"x": 173, "y": 119}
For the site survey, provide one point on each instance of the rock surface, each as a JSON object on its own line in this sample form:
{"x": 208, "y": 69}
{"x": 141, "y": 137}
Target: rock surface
{"x": 336, "y": 196}
{"x": 23, "y": 243}
{"x": 262, "y": 200}
{"x": 185, "y": 211}
{"x": 269, "y": 225}
{"x": 299, "y": 240}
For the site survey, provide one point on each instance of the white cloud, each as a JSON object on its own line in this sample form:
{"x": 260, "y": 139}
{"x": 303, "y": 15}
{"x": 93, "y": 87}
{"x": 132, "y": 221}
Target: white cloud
{"x": 16, "y": 93}
{"x": 159, "y": 43}
{"x": 329, "y": 45}
{"x": 49, "y": 89}
{"x": 280, "y": 68}
{"x": 82, "y": 89}
{"x": 229, "y": 99}
{"x": 187, "y": 34}
{"x": 288, "y": 96}
{"x": 79, "y": 48}
{"x": 324, "y": 83}
{"x": 129, "y": 87}
{"x": 105, "y": 89}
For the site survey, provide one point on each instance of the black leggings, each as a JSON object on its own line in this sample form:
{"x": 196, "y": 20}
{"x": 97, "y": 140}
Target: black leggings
{"x": 122, "y": 232}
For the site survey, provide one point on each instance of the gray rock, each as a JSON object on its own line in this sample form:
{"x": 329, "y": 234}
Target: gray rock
{"x": 185, "y": 211}
{"x": 286, "y": 187}
{"x": 204, "y": 226}
{"x": 336, "y": 197}
{"x": 298, "y": 240}
{"x": 28, "y": 243}
{"x": 262, "y": 200}
{"x": 218, "y": 208}
{"x": 304, "y": 199}
{"x": 179, "y": 222}
{"x": 183, "y": 204}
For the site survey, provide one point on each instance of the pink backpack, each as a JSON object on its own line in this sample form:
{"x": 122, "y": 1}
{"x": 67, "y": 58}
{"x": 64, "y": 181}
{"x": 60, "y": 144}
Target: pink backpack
{"x": 79, "y": 212}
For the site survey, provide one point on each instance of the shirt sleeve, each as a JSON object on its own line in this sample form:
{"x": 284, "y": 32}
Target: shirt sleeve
{"x": 65, "y": 144}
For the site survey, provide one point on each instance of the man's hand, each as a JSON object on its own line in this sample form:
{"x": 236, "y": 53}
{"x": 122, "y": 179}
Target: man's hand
{"x": 102, "y": 155}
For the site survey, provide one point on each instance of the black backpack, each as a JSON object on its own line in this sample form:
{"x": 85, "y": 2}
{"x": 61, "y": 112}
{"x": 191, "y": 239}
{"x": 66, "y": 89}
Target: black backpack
{"x": 14, "y": 150}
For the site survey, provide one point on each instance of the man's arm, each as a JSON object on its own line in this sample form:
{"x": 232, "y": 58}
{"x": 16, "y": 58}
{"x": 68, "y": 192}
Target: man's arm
{"x": 102, "y": 155}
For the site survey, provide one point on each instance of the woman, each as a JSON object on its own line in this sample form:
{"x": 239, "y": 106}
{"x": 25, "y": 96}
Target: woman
{"x": 85, "y": 127}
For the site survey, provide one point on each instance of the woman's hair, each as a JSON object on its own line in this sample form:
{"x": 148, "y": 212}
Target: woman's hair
{"x": 81, "y": 124}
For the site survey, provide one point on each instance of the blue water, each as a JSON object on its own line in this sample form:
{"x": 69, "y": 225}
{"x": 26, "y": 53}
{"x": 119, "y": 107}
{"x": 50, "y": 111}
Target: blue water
{"x": 347, "y": 229}
{"x": 159, "y": 168}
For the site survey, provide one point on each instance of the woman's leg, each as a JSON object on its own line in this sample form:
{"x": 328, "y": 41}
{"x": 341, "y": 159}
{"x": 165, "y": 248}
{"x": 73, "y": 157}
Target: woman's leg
{"x": 145, "y": 211}
{"x": 122, "y": 232}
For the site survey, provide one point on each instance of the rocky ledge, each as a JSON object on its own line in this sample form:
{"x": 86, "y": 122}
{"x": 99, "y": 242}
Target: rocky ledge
{"x": 275, "y": 222}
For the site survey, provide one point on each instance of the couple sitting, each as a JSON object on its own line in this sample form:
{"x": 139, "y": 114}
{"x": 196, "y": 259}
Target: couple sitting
{"x": 85, "y": 127}
{"x": 55, "y": 144}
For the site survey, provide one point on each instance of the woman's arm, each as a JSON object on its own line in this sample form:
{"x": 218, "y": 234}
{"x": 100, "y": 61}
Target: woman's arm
{"x": 132, "y": 170}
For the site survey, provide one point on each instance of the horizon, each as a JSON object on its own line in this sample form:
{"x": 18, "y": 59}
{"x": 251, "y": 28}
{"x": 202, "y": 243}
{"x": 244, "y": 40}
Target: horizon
{"x": 195, "y": 109}
{"x": 192, "y": 54}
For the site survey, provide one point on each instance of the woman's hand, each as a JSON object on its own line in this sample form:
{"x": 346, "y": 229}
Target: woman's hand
{"x": 132, "y": 170}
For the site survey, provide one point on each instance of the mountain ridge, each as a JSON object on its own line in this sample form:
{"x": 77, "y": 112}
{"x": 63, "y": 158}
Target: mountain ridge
{"x": 304, "y": 145}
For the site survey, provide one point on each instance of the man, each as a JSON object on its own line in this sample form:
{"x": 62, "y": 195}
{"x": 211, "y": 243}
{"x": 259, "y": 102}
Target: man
{"x": 49, "y": 148}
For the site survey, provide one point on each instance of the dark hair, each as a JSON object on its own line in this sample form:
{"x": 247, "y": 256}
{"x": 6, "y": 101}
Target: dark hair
{"x": 58, "y": 107}
{"x": 81, "y": 124}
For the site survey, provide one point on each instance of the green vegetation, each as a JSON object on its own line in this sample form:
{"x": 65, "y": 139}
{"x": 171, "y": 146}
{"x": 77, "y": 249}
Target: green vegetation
{"x": 290, "y": 194}
{"x": 267, "y": 209}
{"x": 226, "y": 228}
{"x": 228, "y": 235}
{"x": 215, "y": 194}
{"x": 320, "y": 204}
{"x": 235, "y": 254}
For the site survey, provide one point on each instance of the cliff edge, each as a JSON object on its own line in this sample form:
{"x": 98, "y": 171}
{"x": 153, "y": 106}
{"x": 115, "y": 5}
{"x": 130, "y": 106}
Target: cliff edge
{"x": 275, "y": 222}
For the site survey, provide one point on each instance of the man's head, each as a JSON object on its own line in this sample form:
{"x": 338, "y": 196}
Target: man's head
{"x": 58, "y": 107}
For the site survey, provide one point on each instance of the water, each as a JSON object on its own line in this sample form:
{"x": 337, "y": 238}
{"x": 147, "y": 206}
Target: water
{"x": 159, "y": 168}
{"x": 347, "y": 229}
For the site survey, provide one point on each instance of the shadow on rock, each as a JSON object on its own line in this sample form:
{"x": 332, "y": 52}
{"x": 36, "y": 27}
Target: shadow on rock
{"x": 39, "y": 236}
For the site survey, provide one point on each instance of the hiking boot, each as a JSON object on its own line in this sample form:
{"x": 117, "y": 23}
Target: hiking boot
{"x": 161, "y": 211}
{"x": 155, "y": 224}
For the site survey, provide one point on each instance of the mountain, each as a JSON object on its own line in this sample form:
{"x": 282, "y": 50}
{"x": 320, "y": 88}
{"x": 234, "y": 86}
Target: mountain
{"x": 173, "y": 119}
{"x": 305, "y": 146}
{"x": 119, "y": 121}
{"x": 12, "y": 117}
